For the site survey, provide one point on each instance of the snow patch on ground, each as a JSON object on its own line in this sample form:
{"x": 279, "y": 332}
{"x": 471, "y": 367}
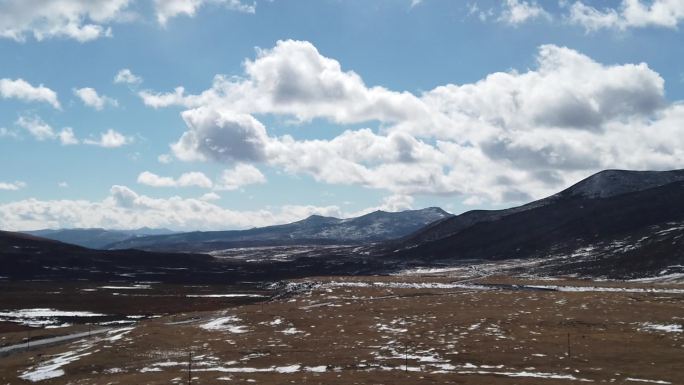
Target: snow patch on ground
{"x": 668, "y": 328}
{"x": 276, "y": 322}
{"x": 117, "y": 334}
{"x": 132, "y": 287}
{"x": 44, "y": 317}
{"x": 316, "y": 369}
{"x": 583, "y": 289}
{"x": 631, "y": 379}
{"x": 225, "y": 324}
{"x": 53, "y": 367}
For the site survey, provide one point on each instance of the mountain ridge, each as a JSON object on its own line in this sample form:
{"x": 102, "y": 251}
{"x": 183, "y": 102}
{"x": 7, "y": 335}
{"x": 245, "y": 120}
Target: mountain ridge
{"x": 315, "y": 229}
{"x": 595, "y": 186}
{"x": 95, "y": 238}
{"x": 628, "y": 232}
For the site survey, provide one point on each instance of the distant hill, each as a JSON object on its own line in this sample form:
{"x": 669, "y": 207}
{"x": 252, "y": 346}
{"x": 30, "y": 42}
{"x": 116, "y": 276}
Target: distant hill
{"x": 374, "y": 227}
{"x": 27, "y": 257}
{"x": 615, "y": 223}
{"x": 95, "y": 238}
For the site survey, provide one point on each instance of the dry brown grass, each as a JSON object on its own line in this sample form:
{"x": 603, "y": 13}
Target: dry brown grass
{"x": 361, "y": 335}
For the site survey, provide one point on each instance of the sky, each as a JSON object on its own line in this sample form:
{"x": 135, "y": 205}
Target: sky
{"x": 229, "y": 114}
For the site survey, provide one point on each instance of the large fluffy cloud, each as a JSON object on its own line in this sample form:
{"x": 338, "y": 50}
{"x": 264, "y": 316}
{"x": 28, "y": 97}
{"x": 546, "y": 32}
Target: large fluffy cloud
{"x": 43, "y": 19}
{"x": 221, "y": 135}
{"x": 567, "y": 90}
{"x": 509, "y": 137}
{"x": 294, "y": 79}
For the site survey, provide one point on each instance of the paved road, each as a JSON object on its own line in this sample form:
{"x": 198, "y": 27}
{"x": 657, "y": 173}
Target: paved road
{"x": 6, "y": 350}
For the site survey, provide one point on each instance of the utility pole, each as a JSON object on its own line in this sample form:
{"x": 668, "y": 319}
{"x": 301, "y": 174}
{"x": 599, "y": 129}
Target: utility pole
{"x": 406, "y": 356}
{"x": 568, "y": 345}
{"x": 190, "y": 367}
{"x": 28, "y": 340}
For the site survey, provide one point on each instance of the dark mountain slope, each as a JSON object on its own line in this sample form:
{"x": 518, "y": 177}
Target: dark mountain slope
{"x": 604, "y": 184}
{"x": 373, "y": 227}
{"x": 95, "y": 238}
{"x": 564, "y": 225}
{"x": 26, "y": 257}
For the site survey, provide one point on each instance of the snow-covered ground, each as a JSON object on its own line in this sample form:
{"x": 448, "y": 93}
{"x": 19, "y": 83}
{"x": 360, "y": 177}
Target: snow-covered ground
{"x": 44, "y": 317}
{"x": 131, "y": 287}
{"x": 53, "y": 366}
{"x": 231, "y": 295}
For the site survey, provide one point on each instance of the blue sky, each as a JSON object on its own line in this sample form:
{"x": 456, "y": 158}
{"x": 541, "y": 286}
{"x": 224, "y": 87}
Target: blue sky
{"x": 329, "y": 107}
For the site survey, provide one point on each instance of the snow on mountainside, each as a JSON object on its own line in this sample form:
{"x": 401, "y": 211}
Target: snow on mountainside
{"x": 373, "y": 227}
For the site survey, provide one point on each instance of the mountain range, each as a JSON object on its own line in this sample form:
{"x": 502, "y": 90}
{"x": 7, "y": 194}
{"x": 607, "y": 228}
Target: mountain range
{"x": 614, "y": 224}
{"x": 373, "y": 227}
{"x": 95, "y": 238}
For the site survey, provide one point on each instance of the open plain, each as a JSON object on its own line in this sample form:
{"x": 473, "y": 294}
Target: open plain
{"x": 410, "y": 328}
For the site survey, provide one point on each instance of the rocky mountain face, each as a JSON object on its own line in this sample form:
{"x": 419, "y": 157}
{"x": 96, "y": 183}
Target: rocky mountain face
{"x": 374, "y": 227}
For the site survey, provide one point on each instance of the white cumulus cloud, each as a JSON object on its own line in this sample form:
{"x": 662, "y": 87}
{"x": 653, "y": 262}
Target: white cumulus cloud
{"x": 67, "y": 136}
{"x": 43, "y": 131}
{"x": 125, "y": 76}
{"x": 165, "y": 158}
{"x": 12, "y": 186}
{"x": 629, "y": 14}
{"x": 24, "y": 91}
{"x": 210, "y": 196}
{"x": 188, "y": 179}
{"x": 221, "y": 136}
{"x": 110, "y": 139}
{"x": 509, "y": 137}
{"x": 124, "y": 208}
{"x": 91, "y": 98}
{"x": 241, "y": 175}
{"x": 73, "y": 19}
{"x": 168, "y": 9}
{"x": 516, "y": 12}
{"x": 294, "y": 79}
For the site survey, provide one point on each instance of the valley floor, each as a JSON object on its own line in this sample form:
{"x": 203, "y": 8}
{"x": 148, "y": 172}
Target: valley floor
{"x": 411, "y": 328}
